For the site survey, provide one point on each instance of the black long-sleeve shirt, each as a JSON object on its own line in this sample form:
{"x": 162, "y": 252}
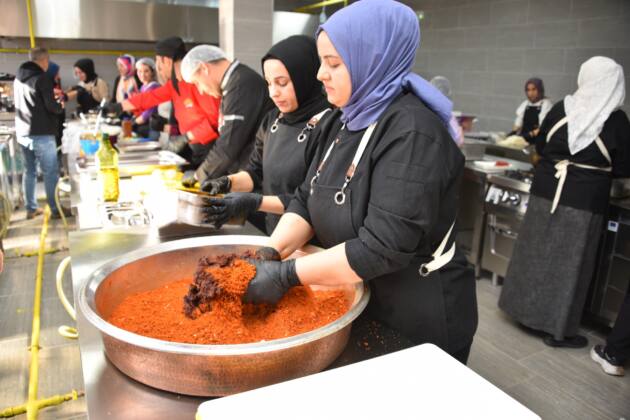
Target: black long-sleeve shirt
{"x": 404, "y": 191}
{"x": 585, "y": 189}
{"x": 244, "y": 103}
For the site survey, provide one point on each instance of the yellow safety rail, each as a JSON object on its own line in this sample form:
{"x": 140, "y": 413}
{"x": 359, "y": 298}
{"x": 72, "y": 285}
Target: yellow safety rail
{"x": 33, "y": 380}
{"x": 33, "y": 405}
{"x": 46, "y": 402}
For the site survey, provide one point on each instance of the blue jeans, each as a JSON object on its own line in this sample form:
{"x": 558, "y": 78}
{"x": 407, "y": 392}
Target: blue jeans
{"x": 42, "y": 149}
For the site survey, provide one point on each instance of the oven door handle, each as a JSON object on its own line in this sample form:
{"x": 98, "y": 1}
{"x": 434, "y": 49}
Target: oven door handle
{"x": 494, "y": 230}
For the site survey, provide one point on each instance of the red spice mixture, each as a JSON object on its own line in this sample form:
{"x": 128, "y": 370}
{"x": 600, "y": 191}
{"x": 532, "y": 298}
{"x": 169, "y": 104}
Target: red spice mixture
{"x": 213, "y": 313}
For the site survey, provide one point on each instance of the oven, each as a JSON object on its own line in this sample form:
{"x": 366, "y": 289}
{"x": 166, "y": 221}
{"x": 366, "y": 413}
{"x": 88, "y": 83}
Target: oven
{"x": 505, "y": 205}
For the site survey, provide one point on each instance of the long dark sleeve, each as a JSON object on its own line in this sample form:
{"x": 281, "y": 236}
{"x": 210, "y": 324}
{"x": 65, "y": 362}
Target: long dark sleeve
{"x": 45, "y": 88}
{"x": 241, "y": 108}
{"x": 254, "y": 166}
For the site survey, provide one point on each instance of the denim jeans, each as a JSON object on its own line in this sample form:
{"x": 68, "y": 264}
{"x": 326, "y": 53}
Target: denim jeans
{"x": 42, "y": 149}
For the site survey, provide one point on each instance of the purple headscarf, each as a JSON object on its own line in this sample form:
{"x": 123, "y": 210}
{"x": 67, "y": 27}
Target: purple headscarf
{"x": 377, "y": 40}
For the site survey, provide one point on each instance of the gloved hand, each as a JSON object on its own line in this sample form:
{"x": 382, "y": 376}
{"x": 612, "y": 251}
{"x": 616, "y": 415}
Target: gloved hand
{"x": 268, "y": 253}
{"x": 234, "y": 205}
{"x": 157, "y": 122}
{"x": 216, "y": 186}
{"x": 188, "y": 180}
{"x": 273, "y": 279}
{"x": 112, "y": 108}
{"x": 176, "y": 144}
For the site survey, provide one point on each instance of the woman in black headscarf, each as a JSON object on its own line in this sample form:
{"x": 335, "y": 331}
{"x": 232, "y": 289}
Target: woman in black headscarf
{"x": 285, "y": 143}
{"x": 91, "y": 89}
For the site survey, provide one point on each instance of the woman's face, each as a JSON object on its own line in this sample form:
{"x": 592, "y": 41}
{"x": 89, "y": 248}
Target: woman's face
{"x": 532, "y": 92}
{"x": 80, "y": 74}
{"x": 333, "y": 73}
{"x": 281, "y": 90}
{"x": 122, "y": 70}
{"x": 145, "y": 74}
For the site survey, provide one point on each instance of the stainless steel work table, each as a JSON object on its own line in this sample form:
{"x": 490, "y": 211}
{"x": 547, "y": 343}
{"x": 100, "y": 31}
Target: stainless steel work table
{"x": 110, "y": 393}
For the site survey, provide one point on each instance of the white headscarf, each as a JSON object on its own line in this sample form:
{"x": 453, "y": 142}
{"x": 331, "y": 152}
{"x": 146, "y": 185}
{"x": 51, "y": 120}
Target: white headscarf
{"x": 601, "y": 90}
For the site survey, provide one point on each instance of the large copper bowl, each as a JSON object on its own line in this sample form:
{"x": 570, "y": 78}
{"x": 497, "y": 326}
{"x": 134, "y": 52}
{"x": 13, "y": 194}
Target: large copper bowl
{"x": 204, "y": 370}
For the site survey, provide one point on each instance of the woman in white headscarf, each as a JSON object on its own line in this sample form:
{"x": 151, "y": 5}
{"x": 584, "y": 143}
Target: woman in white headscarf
{"x": 584, "y": 142}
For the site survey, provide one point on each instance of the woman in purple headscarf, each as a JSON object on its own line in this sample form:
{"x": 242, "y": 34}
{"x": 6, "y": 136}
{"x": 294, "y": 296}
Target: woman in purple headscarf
{"x": 532, "y": 111}
{"x": 381, "y": 194}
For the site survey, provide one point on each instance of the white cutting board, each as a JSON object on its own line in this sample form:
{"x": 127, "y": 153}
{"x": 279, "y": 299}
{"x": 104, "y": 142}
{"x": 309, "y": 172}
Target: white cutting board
{"x": 421, "y": 382}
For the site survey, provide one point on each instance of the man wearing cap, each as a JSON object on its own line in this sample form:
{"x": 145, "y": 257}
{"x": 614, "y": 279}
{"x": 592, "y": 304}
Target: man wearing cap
{"x": 244, "y": 102}
{"x": 196, "y": 114}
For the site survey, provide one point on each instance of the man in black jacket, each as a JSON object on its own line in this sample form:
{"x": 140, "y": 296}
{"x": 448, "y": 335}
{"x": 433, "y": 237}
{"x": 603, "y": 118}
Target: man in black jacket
{"x": 244, "y": 103}
{"x": 36, "y": 113}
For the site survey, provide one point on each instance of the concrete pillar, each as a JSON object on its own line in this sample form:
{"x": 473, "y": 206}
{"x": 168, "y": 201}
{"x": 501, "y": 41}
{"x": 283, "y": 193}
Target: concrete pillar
{"x": 245, "y": 29}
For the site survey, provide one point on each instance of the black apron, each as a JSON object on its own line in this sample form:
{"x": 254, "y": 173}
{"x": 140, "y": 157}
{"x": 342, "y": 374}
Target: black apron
{"x": 530, "y": 119}
{"x": 86, "y": 101}
{"x": 284, "y": 166}
{"x": 434, "y": 309}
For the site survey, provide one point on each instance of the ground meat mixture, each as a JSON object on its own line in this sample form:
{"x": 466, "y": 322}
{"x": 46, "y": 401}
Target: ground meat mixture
{"x": 213, "y": 313}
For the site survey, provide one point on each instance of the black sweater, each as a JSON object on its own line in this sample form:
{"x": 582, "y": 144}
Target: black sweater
{"x": 36, "y": 110}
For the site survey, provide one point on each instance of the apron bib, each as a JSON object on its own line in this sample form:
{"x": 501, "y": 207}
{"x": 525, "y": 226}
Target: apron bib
{"x": 415, "y": 300}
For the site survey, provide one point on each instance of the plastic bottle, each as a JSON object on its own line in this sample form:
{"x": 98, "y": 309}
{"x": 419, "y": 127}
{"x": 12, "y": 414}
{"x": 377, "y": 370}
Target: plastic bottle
{"x": 107, "y": 165}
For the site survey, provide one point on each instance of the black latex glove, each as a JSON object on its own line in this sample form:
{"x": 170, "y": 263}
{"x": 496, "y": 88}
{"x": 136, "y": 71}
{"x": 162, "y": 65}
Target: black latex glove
{"x": 219, "y": 211}
{"x": 176, "y": 144}
{"x": 268, "y": 253}
{"x": 113, "y": 108}
{"x": 216, "y": 186}
{"x": 188, "y": 180}
{"x": 273, "y": 279}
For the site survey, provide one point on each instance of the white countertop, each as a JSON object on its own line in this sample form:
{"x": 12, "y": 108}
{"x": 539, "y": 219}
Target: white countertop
{"x": 419, "y": 382}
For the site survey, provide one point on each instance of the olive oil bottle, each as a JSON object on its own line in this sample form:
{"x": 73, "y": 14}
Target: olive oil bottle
{"x": 107, "y": 165}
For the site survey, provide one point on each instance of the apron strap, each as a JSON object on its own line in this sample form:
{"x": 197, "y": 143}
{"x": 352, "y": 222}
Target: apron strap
{"x": 556, "y": 127}
{"x": 602, "y": 148}
{"x": 562, "y": 169}
{"x": 315, "y": 118}
{"x": 440, "y": 258}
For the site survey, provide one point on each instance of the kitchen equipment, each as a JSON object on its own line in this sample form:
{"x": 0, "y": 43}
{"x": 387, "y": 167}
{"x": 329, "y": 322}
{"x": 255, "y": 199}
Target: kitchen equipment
{"x": 473, "y": 149}
{"x": 203, "y": 370}
{"x": 190, "y": 205}
{"x": 505, "y": 204}
{"x": 492, "y": 166}
{"x": 471, "y": 215}
{"x": 611, "y": 279}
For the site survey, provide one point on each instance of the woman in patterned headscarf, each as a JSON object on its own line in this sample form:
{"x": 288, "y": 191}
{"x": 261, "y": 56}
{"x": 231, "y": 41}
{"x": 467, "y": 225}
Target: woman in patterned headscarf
{"x": 126, "y": 83}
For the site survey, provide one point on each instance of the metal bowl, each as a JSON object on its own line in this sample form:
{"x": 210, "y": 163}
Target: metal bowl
{"x": 203, "y": 370}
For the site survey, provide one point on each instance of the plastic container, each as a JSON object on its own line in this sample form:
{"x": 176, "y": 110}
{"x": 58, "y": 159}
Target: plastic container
{"x": 89, "y": 145}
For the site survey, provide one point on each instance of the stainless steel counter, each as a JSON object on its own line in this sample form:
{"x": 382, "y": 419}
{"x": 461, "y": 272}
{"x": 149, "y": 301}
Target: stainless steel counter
{"x": 111, "y": 394}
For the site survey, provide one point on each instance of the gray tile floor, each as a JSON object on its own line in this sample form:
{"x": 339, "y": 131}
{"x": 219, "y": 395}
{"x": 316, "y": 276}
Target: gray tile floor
{"x": 555, "y": 383}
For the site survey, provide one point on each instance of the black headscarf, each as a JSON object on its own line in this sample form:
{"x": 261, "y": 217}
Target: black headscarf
{"x": 87, "y": 66}
{"x": 539, "y": 86}
{"x": 299, "y": 55}
{"x": 174, "y": 48}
